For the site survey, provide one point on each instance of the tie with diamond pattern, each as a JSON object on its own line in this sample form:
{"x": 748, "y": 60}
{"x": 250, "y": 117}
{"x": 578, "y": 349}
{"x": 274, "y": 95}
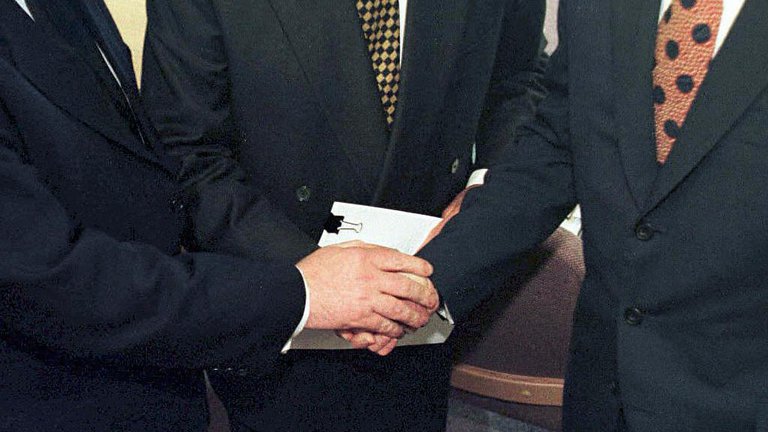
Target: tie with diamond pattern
{"x": 381, "y": 28}
{"x": 684, "y": 47}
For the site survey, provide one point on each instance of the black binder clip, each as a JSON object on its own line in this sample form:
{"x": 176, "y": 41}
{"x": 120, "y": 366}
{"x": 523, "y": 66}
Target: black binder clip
{"x": 334, "y": 224}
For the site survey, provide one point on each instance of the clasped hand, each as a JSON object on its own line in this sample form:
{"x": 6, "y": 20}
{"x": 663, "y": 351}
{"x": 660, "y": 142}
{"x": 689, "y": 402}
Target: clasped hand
{"x": 376, "y": 292}
{"x": 383, "y": 344}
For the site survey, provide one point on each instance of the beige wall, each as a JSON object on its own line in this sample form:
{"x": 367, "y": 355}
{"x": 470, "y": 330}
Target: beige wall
{"x": 131, "y": 19}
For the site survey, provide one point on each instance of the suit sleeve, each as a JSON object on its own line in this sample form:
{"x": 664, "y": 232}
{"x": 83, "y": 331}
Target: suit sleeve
{"x": 186, "y": 87}
{"x": 73, "y": 292}
{"x": 526, "y": 195}
{"x": 516, "y": 83}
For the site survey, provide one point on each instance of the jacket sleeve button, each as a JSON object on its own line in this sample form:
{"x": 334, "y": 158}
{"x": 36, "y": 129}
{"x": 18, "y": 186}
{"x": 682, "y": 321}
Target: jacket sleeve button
{"x": 644, "y": 231}
{"x": 633, "y": 316}
{"x": 303, "y": 193}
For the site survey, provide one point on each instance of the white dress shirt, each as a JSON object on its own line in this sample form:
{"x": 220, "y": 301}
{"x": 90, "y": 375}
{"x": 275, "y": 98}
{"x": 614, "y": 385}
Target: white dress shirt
{"x": 23, "y": 4}
{"x": 731, "y": 9}
{"x": 403, "y": 4}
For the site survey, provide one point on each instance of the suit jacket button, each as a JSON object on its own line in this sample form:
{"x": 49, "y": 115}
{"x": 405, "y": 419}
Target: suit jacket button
{"x": 633, "y": 316}
{"x": 455, "y": 166}
{"x": 303, "y": 193}
{"x": 644, "y": 231}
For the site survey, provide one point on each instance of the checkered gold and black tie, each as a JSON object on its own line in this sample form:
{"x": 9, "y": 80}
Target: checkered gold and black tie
{"x": 381, "y": 28}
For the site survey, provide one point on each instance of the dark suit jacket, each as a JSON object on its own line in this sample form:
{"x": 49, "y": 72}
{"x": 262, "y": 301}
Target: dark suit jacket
{"x": 275, "y": 107}
{"x": 102, "y": 329}
{"x": 671, "y": 322}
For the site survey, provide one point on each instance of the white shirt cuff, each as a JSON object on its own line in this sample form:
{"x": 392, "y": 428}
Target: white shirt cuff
{"x": 477, "y": 178}
{"x": 304, "y": 317}
{"x": 572, "y": 223}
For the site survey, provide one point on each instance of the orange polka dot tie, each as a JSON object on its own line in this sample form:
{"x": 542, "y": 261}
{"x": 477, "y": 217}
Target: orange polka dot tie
{"x": 381, "y": 28}
{"x": 684, "y": 47}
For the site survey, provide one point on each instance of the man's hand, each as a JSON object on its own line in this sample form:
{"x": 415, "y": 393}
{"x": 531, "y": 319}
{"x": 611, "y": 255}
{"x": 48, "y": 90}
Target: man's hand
{"x": 450, "y": 211}
{"x": 360, "y": 286}
{"x": 379, "y": 344}
{"x": 383, "y": 344}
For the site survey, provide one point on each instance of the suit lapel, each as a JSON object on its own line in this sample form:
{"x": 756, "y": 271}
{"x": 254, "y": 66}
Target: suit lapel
{"x": 737, "y": 75}
{"x": 52, "y": 67}
{"x": 60, "y": 74}
{"x": 111, "y": 43}
{"x": 633, "y": 26}
{"x": 433, "y": 32}
{"x": 67, "y": 21}
{"x": 327, "y": 39}
{"x": 119, "y": 56}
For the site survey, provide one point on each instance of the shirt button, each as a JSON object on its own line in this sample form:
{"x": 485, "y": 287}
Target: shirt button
{"x": 644, "y": 231}
{"x": 303, "y": 193}
{"x": 633, "y": 316}
{"x": 455, "y": 166}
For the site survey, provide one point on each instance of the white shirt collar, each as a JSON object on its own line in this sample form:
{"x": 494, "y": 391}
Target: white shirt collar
{"x": 23, "y": 4}
{"x": 731, "y": 9}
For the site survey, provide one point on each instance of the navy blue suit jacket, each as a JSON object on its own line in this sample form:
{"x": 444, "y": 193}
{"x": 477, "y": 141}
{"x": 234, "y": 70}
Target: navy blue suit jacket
{"x": 105, "y": 325}
{"x": 274, "y": 105}
{"x": 671, "y": 326}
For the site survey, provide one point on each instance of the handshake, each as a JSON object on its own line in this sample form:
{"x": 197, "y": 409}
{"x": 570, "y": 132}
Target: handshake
{"x": 370, "y": 295}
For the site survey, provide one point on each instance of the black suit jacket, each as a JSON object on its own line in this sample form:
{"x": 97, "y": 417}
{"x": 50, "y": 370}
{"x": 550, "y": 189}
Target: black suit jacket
{"x": 102, "y": 328}
{"x": 671, "y": 320}
{"x": 274, "y": 105}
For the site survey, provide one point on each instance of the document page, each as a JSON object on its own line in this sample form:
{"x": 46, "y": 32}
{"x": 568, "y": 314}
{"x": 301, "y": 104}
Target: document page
{"x": 391, "y": 228}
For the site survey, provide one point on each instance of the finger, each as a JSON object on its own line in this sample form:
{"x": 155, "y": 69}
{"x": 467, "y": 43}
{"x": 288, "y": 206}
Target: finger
{"x": 394, "y": 261}
{"x": 380, "y": 342}
{"x": 406, "y": 288}
{"x": 379, "y": 324}
{"x": 362, "y": 340}
{"x": 407, "y": 313}
{"x": 351, "y": 244}
{"x": 418, "y": 279}
{"x": 347, "y": 335}
{"x": 387, "y": 349}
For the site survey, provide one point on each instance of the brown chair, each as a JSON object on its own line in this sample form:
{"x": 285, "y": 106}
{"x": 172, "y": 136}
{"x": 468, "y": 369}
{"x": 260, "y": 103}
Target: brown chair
{"x": 511, "y": 357}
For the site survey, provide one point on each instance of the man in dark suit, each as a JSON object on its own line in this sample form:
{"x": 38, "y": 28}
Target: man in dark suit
{"x": 282, "y": 107}
{"x": 656, "y": 124}
{"x": 103, "y": 329}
